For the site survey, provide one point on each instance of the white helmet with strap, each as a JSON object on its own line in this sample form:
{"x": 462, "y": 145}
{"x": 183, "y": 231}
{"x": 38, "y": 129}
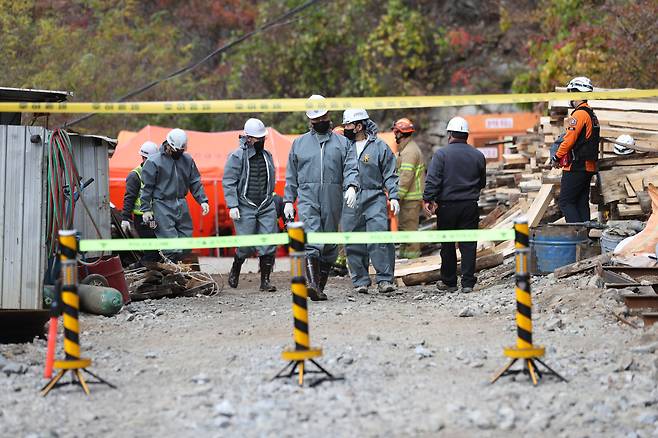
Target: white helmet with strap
{"x": 315, "y": 113}
{"x": 177, "y": 139}
{"x": 624, "y": 145}
{"x": 580, "y": 84}
{"x": 352, "y": 115}
{"x": 148, "y": 148}
{"x": 457, "y": 124}
{"x": 255, "y": 128}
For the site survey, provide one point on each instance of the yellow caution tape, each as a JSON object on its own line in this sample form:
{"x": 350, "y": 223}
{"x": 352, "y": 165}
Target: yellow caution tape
{"x": 282, "y": 239}
{"x": 290, "y": 105}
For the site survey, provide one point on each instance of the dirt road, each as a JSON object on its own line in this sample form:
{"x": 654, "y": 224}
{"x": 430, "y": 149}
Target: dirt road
{"x": 412, "y": 367}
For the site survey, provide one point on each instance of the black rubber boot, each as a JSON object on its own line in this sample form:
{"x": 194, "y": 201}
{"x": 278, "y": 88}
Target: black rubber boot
{"x": 324, "y": 275}
{"x": 266, "y": 264}
{"x": 234, "y": 275}
{"x": 312, "y": 277}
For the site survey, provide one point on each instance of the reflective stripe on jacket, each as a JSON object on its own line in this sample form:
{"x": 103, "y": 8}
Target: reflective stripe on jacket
{"x": 138, "y": 200}
{"x": 411, "y": 169}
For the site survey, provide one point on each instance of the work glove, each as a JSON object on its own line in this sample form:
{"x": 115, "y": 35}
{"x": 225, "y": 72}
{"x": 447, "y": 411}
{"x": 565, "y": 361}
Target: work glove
{"x": 395, "y": 207}
{"x": 125, "y": 226}
{"x": 234, "y": 213}
{"x": 289, "y": 211}
{"x": 555, "y": 162}
{"x": 205, "y": 208}
{"x": 148, "y": 219}
{"x": 350, "y": 197}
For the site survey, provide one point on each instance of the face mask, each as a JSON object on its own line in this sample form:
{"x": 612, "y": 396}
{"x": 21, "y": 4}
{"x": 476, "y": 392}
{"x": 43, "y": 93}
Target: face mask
{"x": 350, "y": 134}
{"x": 177, "y": 153}
{"x": 322, "y": 127}
{"x": 259, "y": 144}
{"x": 398, "y": 139}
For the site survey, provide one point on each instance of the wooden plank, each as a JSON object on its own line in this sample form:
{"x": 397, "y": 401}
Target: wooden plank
{"x": 493, "y": 215}
{"x": 515, "y": 159}
{"x": 643, "y": 160}
{"x": 581, "y": 266}
{"x": 630, "y": 191}
{"x": 14, "y": 183}
{"x": 612, "y": 184}
{"x": 635, "y": 118}
{"x": 638, "y": 134}
{"x": 421, "y": 264}
{"x": 625, "y": 105}
{"x": 635, "y": 179}
{"x": 626, "y": 210}
{"x": 32, "y": 273}
{"x": 540, "y": 205}
{"x": 505, "y": 248}
{"x": 631, "y": 125}
{"x": 487, "y": 261}
{"x": 530, "y": 186}
{"x": 618, "y": 105}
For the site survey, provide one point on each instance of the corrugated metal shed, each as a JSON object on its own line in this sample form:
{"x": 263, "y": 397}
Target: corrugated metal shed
{"x": 91, "y": 159}
{"x": 22, "y": 217}
{"x": 8, "y": 94}
{"x": 27, "y": 95}
{"x": 23, "y": 208}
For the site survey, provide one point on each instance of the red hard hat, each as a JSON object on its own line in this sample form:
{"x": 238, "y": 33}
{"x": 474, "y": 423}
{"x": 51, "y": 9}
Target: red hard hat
{"x": 404, "y": 126}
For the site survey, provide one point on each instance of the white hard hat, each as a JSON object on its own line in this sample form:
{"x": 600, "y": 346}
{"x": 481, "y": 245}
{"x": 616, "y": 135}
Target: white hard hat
{"x": 354, "y": 115}
{"x": 581, "y": 83}
{"x": 255, "y": 128}
{"x": 177, "y": 139}
{"x": 458, "y": 124}
{"x": 315, "y": 113}
{"x": 148, "y": 148}
{"x": 624, "y": 145}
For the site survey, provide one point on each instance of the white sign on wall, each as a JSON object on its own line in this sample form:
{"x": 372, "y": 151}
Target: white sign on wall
{"x": 490, "y": 153}
{"x": 502, "y": 123}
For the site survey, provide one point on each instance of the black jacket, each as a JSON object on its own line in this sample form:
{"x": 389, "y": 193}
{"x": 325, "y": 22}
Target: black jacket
{"x": 457, "y": 173}
{"x": 133, "y": 187}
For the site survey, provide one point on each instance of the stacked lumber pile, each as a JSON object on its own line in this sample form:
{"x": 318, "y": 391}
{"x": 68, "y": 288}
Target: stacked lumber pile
{"x": 523, "y": 183}
{"x": 638, "y": 118}
{"x": 623, "y": 179}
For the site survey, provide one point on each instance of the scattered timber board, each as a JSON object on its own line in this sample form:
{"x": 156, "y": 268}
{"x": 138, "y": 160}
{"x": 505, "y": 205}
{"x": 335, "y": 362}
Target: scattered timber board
{"x": 540, "y": 205}
{"x": 581, "y": 266}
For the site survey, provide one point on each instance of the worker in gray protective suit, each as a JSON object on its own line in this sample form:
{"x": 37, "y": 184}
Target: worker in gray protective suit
{"x": 377, "y": 177}
{"x": 320, "y": 172}
{"x": 248, "y": 183}
{"x": 168, "y": 175}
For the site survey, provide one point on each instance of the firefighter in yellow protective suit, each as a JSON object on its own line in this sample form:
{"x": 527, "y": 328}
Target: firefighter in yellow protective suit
{"x": 411, "y": 168}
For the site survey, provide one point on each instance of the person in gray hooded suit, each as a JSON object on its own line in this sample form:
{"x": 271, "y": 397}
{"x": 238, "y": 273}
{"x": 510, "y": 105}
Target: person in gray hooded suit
{"x": 377, "y": 178}
{"x": 249, "y": 177}
{"x": 168, "y": 176}
{"x": 320, "y": 172}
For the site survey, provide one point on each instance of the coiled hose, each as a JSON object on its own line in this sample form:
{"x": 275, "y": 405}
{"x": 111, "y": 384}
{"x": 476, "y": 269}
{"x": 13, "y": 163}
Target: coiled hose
{"x": 63, "y": 181}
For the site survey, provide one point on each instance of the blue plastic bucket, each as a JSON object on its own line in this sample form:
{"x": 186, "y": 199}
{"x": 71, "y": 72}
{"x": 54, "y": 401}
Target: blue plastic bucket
{"x": 554, "y": 246}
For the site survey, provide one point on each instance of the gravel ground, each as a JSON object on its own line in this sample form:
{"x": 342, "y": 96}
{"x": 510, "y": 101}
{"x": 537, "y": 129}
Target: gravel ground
{"x": 412, "y": 367}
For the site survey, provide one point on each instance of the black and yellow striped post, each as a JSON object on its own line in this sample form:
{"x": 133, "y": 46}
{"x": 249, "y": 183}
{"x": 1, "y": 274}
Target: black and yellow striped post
{"x": 525, "y": 349}
{"x": 70, "y": 306}
{"x": 296, "y": 358}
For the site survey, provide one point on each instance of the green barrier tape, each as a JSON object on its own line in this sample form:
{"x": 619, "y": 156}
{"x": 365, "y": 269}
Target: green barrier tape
{"x": 410, "y": 236}
{"x": 183, "y": 243}
{"x": 282, "y": 239}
